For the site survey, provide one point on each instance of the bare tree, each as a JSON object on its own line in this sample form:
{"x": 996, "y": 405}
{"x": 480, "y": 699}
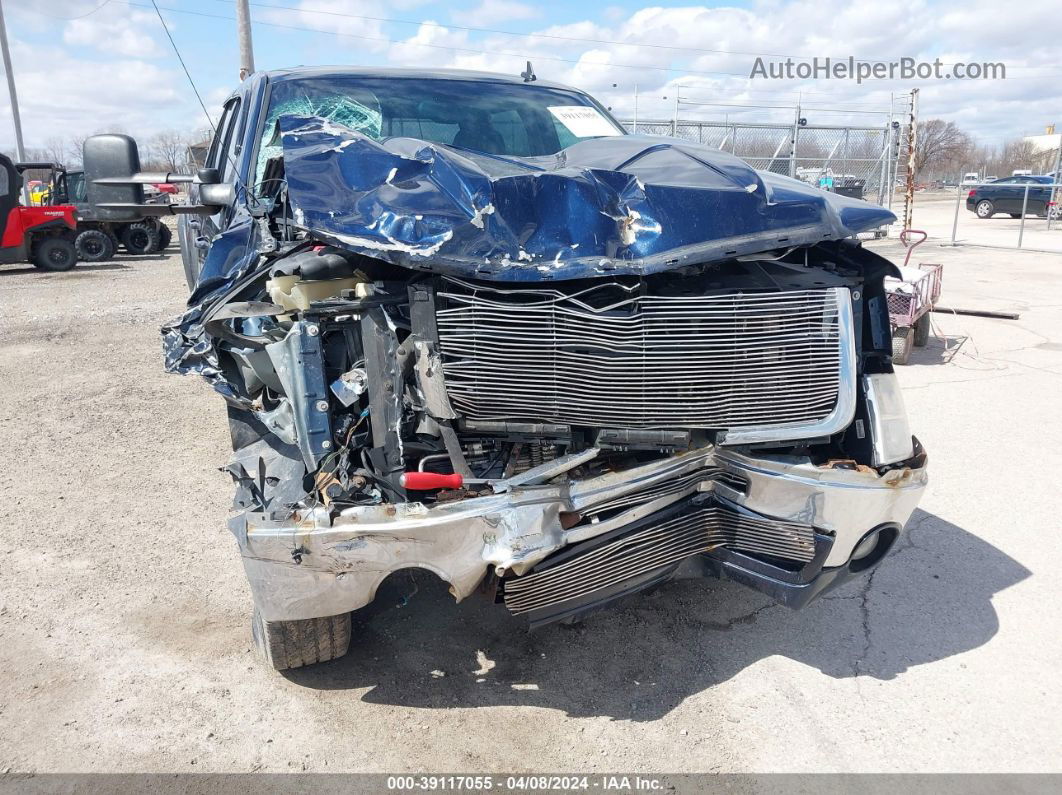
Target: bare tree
{"x": 37, "y": 154}
{"x": 56, "y": 149}
{"x": 941, "y": 146}
{"x": 75, "y": 144}
{"x": 74, "y": 148}
{"x": 1008, "y": 157}
{"x": 169, "y": 150}
{"x": 1016, "y": 154}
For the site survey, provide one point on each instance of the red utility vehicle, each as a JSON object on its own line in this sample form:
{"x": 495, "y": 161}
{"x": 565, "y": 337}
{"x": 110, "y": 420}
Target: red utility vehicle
{"x": 41, "y": 235}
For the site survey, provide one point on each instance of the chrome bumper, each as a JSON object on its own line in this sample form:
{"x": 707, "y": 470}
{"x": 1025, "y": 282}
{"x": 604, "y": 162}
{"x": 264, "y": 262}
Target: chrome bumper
{"x": 310, "y": 566}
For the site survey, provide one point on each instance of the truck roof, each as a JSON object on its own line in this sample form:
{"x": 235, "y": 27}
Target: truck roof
{"x": 302, "y": 72}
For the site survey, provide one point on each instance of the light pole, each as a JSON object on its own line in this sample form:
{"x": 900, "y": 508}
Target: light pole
{"x": 635, "y": 130}
{"x": 674, "y": 126}
{"x": 675, "y": 120}
{"x": 20, "y": 151}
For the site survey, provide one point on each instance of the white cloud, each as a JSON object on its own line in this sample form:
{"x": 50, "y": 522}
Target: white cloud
{"x": 491, "y": 12}
{"x": 62, "y": 96}
{"x": 427, "y": 47}
{"x": 360, "y": 20}
{"x": 129, "y": 34}
{"x": 579, "y": 54}
{"x": 720, "y": 46}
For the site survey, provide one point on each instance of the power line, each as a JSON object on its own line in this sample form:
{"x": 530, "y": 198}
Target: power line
{"x": 552, "y": 36}
{"x": 786, "y": 107}
{"x": 521, "y": 56}
{"x": 191, "y": 82}
{"x": 477, "y": 51}
{"x": 799, "y": 98}
{"x": 71, "y": 19}
{"x": 187, "y": 74}
{"x": 557, "y": 37}
{"x": 472, "y": 29}
{"x": 790, "y": 92}
{"x": 799, "y": 92}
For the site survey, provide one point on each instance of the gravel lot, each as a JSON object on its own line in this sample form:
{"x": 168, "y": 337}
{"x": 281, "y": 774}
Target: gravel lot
{"x": 124, "y": 634}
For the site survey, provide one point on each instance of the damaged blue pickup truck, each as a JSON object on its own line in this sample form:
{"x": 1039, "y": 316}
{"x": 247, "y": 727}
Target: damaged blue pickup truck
{"x": 465, "y": 323}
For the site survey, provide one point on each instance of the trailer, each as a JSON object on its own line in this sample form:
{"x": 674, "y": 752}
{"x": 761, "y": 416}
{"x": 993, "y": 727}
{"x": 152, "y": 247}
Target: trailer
{"x": 911, "y": 298}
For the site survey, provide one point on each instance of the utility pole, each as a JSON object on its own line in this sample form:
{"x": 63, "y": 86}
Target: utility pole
{"x": 243, "y": 30}
{"x": 912, "y": 142}
{"x": 675, "y": 120}
{"x": 20, "y": 151}
{"x": 1056, "y": 178}
{"x": 895, "y": 167}
{"x": 635, "y": 109}
{"x": 885, "y": 150}
{"x": 894, "y": 152}
{"x": 793, "y": 140}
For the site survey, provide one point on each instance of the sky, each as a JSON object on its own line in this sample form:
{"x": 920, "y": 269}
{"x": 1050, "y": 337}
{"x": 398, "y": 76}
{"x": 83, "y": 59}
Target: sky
{"x": 85, "y": 66}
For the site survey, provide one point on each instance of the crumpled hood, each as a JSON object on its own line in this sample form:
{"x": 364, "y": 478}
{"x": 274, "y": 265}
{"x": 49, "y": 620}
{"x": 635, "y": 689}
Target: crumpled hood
{"x": 621, "y": 205}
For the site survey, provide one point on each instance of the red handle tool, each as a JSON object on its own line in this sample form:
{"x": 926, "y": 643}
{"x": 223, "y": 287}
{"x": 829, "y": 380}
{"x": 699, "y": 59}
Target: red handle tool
{"x": 428, "y": 481}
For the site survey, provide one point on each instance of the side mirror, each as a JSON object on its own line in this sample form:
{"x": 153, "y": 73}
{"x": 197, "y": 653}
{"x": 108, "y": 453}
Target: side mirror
{"x": 216, "y": 194}
{"x": 114, "y": 182}
{"x": 113, "y": 158}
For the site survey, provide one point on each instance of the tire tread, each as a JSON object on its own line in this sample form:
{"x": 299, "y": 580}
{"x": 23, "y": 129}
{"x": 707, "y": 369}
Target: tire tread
{"x": 902, "y": 337}
{"x": 294, "y": 644}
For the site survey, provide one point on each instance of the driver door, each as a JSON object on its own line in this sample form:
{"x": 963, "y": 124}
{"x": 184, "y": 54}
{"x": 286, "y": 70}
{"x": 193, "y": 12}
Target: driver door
{"x": 196, "y": 231}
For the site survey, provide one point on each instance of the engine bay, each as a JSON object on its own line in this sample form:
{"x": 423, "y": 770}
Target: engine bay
{"x": 352, "y": 381}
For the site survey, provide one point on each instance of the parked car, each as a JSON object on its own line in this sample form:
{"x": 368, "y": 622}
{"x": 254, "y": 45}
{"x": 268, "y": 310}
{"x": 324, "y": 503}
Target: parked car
{"x": 971, "y": 178}
{"x": 465, "y": 323}
{"x": 1007, "y": 195}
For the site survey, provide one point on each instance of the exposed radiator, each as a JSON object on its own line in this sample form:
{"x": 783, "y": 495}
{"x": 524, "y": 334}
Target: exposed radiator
{"x": 691, "y": 533}
{"x": 610, "y": 357}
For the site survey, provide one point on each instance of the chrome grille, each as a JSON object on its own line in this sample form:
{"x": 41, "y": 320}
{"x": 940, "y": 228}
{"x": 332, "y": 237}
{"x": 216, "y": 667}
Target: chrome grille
{"x": 608, "y": 356}
{"x": 662, "y": 489}
{"x": 700, "y": 530}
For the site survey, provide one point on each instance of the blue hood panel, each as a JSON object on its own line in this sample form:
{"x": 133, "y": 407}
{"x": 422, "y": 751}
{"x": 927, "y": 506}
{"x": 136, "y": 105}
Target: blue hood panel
{"x": 628, "y": 204}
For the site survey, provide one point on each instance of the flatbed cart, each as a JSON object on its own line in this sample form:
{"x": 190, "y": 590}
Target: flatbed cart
{"x": 911, "y": 299}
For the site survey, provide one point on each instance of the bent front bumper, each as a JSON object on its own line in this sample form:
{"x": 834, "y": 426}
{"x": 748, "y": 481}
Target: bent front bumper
{"x": 311, "y": 566}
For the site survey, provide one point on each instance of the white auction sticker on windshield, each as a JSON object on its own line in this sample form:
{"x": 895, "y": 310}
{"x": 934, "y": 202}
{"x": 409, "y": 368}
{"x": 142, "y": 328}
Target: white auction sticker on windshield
{"x": 583, "y": 121}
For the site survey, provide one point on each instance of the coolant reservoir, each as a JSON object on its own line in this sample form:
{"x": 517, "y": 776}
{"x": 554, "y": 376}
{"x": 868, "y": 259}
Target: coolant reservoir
{"x": 295, "y": 294}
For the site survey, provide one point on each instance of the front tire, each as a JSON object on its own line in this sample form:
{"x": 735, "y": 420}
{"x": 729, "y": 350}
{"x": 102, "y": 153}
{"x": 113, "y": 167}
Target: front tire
{"x": 985, "y": 209}
{"x": 165, "y": 236}
{"x": 921, "y": 331}
{"x": 94, "y": 245}
{"x": 902, "y": 337}
{"x": 140, "y": 238}
{"x": 293, "y": 644}
{"x": 55, "y": 254}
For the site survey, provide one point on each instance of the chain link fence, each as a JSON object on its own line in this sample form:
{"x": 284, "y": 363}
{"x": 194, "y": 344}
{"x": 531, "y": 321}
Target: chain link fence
{"x": 865, "y": 162}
